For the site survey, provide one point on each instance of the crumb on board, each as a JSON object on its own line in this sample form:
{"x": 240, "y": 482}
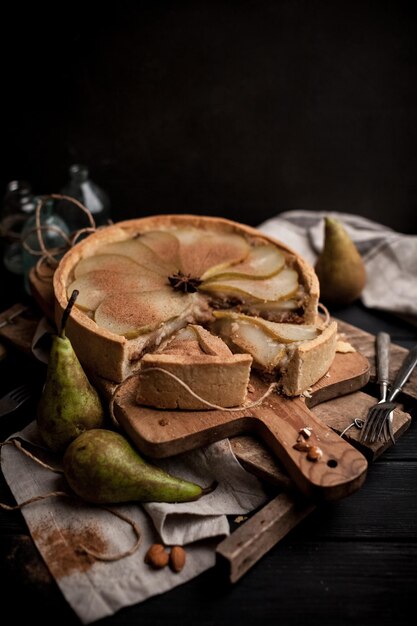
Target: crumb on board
{"x": 240, "y": 518}
{"x": 344, "y": 347}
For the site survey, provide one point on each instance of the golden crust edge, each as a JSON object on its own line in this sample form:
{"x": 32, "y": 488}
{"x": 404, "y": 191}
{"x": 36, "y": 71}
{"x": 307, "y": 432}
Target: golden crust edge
{"x": 310, "y": 362}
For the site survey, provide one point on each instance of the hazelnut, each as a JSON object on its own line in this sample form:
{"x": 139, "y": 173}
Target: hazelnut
{"x": 314, "y": 453}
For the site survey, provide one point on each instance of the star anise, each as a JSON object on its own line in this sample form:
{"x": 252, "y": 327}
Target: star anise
{"x": 184, "y": 282}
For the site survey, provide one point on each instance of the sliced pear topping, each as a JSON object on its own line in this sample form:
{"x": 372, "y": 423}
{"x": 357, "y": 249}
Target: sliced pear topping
{"x": 280, "y": 287}
{"x": 110, "y": 262}
{"x": 132, "y": 314}
{"x": 164, "y": 244}
{"x": 261, "y": 262}
{"x": 242, "y": 336}
{"x": 140, "y": 253}
{"x": 98, "y": 284}
{"x": 282, "y": 332}
{"x": 201, "y": 250}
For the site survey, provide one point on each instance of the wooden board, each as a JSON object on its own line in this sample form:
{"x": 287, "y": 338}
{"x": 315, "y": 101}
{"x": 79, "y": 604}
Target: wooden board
{"x": 277, "y": 421}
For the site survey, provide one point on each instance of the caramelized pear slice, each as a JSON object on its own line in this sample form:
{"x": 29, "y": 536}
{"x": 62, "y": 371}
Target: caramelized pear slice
{"x": 109, "y": 262}
{"x": 279, "y": 287}
{"x": 282, "y": 332}
{"x": 140, "y": 253}
{"x": 257, "y": 308}
{"x": 242, "y": 336}
{"x": 261, "y": 262}
{"x": 201, "y": 250}
{"x": 98, "y": 284}
{"x": 133, "y": 314}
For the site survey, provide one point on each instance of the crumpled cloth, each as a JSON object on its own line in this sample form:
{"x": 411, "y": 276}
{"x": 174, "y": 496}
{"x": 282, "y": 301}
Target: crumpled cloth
{"x": 390, "y": 257}
{"x": 95, "y": 589}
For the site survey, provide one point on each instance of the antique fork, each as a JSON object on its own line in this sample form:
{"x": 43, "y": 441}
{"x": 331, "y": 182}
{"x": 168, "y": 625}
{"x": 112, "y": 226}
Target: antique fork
{"x": 13, "y": 399}
{"x": 382, "y": 411}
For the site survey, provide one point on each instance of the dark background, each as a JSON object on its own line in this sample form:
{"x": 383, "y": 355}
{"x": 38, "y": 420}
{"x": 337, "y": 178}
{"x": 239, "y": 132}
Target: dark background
{"x": 240, "y": 109}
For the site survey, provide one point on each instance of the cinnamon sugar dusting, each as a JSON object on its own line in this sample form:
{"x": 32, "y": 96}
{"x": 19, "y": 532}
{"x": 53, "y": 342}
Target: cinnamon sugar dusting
{"x": 63, "y": 548}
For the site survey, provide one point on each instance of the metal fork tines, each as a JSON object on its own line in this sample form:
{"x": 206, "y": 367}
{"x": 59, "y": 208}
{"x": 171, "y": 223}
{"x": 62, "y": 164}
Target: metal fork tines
{"x": 380, "y": 415}
{"x": 379, "y": 423}
{"x": 13, "y": 399}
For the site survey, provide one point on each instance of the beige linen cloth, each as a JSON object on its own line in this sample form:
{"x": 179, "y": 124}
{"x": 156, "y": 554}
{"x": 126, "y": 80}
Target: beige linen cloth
{"x": 390, "y": 257}
{"x": 95, "y": 589}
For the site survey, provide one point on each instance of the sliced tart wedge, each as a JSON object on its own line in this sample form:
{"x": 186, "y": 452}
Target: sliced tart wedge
{"x": 194, "y": 371}
{"x": 299, "y": 354}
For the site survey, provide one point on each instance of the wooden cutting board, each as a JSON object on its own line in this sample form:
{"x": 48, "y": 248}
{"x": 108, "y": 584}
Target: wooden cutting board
{"x": 340, "y": 470}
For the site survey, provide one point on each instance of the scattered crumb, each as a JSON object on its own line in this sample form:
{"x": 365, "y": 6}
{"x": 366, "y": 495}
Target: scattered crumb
{"x": 306, "y": 394}
{"x": 240, "y": 518}
{"x": 327, "y": 375}
{"x": 344, "y": 347}
{"x": 251, "y": 388}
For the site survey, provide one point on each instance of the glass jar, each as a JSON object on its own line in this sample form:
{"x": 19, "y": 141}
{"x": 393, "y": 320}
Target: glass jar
{"x": 82, "y": 188}
{"x": 17, "y": 206}
{"x": 55, "y": 236}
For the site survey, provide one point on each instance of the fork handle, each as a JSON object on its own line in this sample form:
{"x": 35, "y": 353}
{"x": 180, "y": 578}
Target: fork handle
{"x": 383, "y": 342}
{"x": 404, "y": 373}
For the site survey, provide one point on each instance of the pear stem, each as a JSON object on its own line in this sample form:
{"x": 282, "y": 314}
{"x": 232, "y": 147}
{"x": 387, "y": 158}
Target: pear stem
{"x": 206, "y": 490}
{"x": 68, "y": 310}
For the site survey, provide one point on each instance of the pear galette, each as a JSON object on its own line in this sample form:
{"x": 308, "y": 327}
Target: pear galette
{"x": 154, "y": 290}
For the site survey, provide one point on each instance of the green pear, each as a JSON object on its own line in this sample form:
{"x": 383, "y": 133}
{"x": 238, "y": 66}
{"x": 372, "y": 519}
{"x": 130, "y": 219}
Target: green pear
{"x": 339, "y": 267}
{"x": 103, "y": 468}
{"x": 69, "y": 404}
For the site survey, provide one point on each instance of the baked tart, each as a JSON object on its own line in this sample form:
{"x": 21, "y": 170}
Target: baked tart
{"x": 153, "y": 290}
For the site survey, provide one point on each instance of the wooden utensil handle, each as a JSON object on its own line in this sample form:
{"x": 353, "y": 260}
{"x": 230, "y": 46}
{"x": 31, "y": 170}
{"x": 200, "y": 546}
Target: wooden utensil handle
{"x": 321, "y": 463}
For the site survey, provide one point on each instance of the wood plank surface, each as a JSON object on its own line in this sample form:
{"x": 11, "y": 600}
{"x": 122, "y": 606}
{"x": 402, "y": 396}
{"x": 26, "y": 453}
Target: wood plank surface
{"x": 365, "y": 343}
{"x": 338, "y": 413}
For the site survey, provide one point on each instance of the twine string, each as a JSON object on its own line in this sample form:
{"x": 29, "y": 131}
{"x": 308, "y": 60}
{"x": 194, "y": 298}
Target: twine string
{"x": 272, "y": 387}
{"x": 63, "y": 494}
{"x": 50, "y": 256}
{"x": 17, "y": 444}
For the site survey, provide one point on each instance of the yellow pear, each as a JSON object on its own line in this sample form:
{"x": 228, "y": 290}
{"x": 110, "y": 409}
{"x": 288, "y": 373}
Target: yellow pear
{"x": 339, "y": 267}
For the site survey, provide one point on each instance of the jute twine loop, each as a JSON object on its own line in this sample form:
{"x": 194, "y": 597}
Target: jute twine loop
{"x": 49, "y": 257}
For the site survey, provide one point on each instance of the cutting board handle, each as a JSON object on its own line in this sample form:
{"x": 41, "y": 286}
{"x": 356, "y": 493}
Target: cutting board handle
{"x": 340, "y": 468}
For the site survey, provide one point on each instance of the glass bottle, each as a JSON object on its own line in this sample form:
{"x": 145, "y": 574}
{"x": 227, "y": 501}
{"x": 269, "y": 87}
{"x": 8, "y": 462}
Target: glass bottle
{"x": 82, "y": 188}
{"x": 55, "y": 234}
{"x": 18, "y": 205}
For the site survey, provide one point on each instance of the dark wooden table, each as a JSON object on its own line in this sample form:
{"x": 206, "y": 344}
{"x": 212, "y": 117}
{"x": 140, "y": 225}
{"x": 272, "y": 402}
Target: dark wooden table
{"x": 349, "y": 562}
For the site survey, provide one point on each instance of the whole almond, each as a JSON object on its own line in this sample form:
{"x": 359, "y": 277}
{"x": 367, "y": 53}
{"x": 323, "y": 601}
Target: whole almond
{"x": 157, "y": 557}
{"x": 177, "y": 558}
